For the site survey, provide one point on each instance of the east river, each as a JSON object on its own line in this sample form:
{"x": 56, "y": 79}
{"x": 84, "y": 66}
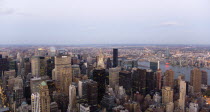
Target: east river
{"x": 177, "y": 70}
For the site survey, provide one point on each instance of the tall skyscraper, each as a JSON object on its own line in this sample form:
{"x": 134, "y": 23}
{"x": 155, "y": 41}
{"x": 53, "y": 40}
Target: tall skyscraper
{"x": 150, "y": 81}
{"x": 115, "y": 57}
{"x": 158, "y": 79}
{"x": 44, "y": 97}
{"x": 114, "y": 77}
{"x": 61, "y": 61}
{"x": 204, "y": 77}
{"x": 169, "y": 78}
{"x": 182, "y": 95}
{"x": 66, "y": 73}
{"x": 195, "y": 80}
{"x": 167, "y": 95}
{"x": 100, "y": 77}
{"x": 35, "y": 102}
{"x": 72, "y": 99}
{"x": 38, "y": 66}
{"x": 108, "y": 63}
{"x": 92, "y": 93}
{"x": 139, "y": 81}
{"x": 125, "y": 81}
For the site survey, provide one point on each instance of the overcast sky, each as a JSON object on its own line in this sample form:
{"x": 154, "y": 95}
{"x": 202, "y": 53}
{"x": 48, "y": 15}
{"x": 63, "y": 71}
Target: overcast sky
{"x": 104, "y": 22}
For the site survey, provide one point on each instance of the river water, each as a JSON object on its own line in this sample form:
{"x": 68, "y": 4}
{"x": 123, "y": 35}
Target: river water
{"x": 177, "y": 70}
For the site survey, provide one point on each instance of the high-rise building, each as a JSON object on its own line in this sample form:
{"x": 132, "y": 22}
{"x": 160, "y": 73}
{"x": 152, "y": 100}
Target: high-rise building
{"x": 44, "y": 97}
{"x": 169, "y": 78}
{"x": 108, "y": 102}
{"x": 167, "y": 95}
{"x": 150, "y": 81}
{"x": 195, "y": 80}
{"x": 182, "y": 95}
{"x": 27, "y": 66}
{"x": 92, "y": 93}
{"x": 100, "y": 77}
{"x": 154, "y": 66}
{"x": 139, "y": 81}
{"x": 204, "y": 79}
{"x": 66, "y": 73}
{"x": 108, "y": 63}
{"x": 170, "y": 107}
{"x": 125, "y": 81}
{"x": 158, "y": 79}
{"x": 72, "y": 99}
{"x": 35, "y": 102}
{"x": 114, "y": 77}
{"x": 115, "y": 57}
{"x": 61, "y": 61}
{"x": 75, "y": 71}
{"x": 38, "y": 66}
{"x": 50, "y": 66}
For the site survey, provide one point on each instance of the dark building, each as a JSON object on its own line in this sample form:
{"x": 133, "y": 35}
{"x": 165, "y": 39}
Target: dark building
{"x": 27, "y": 66}
{"x": 139, "y": 81}
{"x": 125, "y": 80}
{"x": 13, "y": 65}
{"x": 51, "y": 87}
{"x": 99, "y": 76}
{"x": 50, "y": 66}
{"x": 4, "y": 65}
{"x": 108, "y": 63}
{"x": 154, "y": 66}
{"x": 92, "y": 93}
{"x": 108, "y": 102}
{"x": 18, "y": 96}
{"x": 115, "y": 57}
{"x": 150, "y": 81}
{"x": 204, "y": 79}
{"x": 158, "y": 79}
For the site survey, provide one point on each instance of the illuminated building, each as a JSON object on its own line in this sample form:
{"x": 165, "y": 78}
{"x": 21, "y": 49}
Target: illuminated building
{"x": 195, "y": 80}
{"x": 100, "y": 61}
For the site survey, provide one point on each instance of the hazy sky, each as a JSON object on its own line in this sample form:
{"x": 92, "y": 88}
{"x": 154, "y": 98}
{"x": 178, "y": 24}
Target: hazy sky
{"x": 104, "y": 21}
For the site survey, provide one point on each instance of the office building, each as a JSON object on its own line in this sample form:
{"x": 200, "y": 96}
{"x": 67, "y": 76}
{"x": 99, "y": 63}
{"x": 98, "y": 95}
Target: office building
{"x": 204, "y": 79}
{"x": 195, "y": 80}
{"x": 139, "y": 81}
{"x": 66, "y": 73}
{"x": 158, "y": 79}
{"x": 38, "y": 66}
{"x": 44, "y": 97}
{"x": 167, "y": 95}
{"x": 72, "y": 99}
{"x": 125, "y": 80}
{"x": 35, "y": 102}
{"x": 154, "y": 66}
{"x": 92, "y": 93}
{"x": 114, "y": 77}
{"x": 182, "y": 95}
{"x": 169, "y": 78}
{"x": 115, "y": 57}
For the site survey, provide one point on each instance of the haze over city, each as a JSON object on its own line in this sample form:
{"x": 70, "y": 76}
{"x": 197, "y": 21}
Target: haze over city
{"x": 73, "y": 22}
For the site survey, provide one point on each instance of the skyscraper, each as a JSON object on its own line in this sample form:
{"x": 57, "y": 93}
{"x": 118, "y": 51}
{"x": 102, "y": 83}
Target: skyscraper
{"x": 100, "y": 61}
{"x": 61, "y": 61}
{"x": 38, "y": 66}
{"x": 169, "y": 78}
{"x": 204, "y": 77}
{"x": 139, "y": 81}
{"x": 195, "y": 80}
{"x": 182, "y": 95}
{"x": 100, "y": 77}
{"x": 44, "y": 97}
{"x": 114, "y": 77}
{"x": 158, "y": 79}
{"x": 125, "y": 81}
{"x": 167, "y": 95}
{"x": 154, "y": 66}
{"x": 115, "y": 57}
{"x": 72, "y": 99}
{"x": 92, "y": 93}
{"x": 150, "y": 81}
{"x": 35, "y": 102}
{"x": 66, "y": 73}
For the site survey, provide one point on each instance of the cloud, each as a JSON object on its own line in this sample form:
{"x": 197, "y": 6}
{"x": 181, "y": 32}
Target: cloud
{"x": 170, "y": 23}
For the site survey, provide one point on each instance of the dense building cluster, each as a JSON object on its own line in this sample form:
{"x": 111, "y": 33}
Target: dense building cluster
{"x": 97, "y": 80}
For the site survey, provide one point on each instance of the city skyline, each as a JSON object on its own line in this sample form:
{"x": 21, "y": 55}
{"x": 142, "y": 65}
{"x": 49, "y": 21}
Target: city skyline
{"x": 104, "y": 22}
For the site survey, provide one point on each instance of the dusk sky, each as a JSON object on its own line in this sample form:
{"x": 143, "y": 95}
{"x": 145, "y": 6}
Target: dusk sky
{"x": 104, "y": 22}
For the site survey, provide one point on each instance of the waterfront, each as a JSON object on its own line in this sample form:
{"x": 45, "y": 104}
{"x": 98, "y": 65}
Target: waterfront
{"x": 177, "y": 70}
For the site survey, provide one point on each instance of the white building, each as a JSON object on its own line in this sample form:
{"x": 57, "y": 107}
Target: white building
{"x": 35, "y": 102}
{"x": 193, "y": 107}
